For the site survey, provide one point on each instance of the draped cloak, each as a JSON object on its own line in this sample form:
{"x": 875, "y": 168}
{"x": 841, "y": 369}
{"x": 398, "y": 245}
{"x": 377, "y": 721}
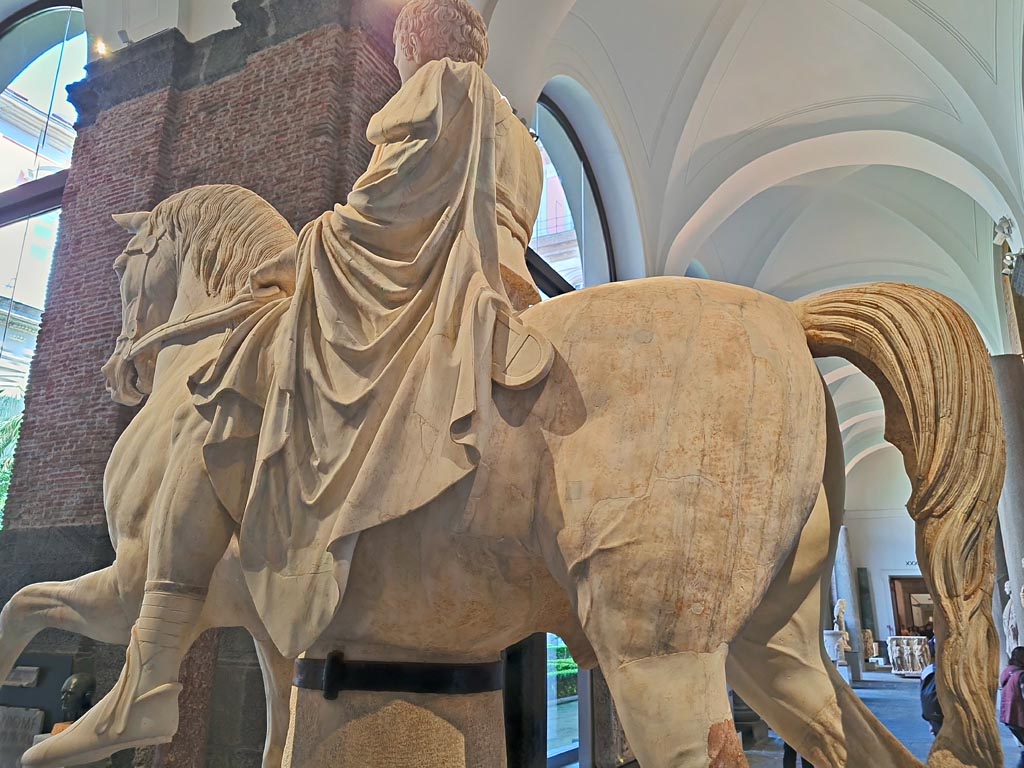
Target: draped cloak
{"x": 367, "y": 393}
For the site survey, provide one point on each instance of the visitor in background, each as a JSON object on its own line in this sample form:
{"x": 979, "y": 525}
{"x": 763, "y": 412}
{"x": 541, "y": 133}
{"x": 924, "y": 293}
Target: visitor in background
{"x": 1011, "y": 702}
{"x": 789, "y": 758}
{"x": 930, "y": 709}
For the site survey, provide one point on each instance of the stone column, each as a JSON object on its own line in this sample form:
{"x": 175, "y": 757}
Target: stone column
{"x": 846, "y": 589}
{"x": 1009, "y": 374}
{"x": 396, "y": 730}
{"x": 999, "y": 597}
{"x": 610, "y": 748}
{"x": 526, "y": 703}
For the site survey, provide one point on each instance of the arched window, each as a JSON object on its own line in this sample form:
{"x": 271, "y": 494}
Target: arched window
{"x": 44, "y": 50}
{"x": 571, "y": 234}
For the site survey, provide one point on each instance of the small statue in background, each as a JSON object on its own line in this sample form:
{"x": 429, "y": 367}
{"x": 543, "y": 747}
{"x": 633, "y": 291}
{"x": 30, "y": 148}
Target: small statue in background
{"x": 868, "y": 638}
{"x": 920, "y": 657}
{"x": 900, "y": 661}
{"x": 1010, "y": 628}
{"x": 76, "y": 697}
{"x": 839, "y": 625}
{"x": 839, "y": 616}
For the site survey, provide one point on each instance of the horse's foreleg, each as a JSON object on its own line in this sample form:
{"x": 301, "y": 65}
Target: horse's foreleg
{"x": 277, "y": 681}
{"x": 90, "y": 606}
{"x": 665, "y": 670}
{"x": 777, "y": 665}
{"x": 675, "y": 710}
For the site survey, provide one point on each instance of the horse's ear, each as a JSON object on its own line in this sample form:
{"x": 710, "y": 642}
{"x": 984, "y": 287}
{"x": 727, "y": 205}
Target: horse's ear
{"x": 133, "y": 222}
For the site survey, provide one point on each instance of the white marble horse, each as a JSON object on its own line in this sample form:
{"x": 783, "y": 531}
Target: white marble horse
{"x": 668, "y": 501}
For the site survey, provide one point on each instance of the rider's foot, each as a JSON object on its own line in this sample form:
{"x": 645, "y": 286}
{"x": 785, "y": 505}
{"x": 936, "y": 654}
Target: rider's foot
{"x": 142, "y": 708}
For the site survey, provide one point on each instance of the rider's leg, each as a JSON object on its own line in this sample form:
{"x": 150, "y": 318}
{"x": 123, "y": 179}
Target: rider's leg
{"x": 188, "y": 540}
{"x": 191, "y": 532}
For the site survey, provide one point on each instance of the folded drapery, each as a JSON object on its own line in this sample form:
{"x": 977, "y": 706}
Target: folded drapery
{"x": 368, "y": 393}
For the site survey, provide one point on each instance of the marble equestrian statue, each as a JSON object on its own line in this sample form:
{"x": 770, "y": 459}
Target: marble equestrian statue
{"x": 321, "y": 457}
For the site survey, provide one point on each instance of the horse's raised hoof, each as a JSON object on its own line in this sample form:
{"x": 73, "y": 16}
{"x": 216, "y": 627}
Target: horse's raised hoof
{"x": 148, "y": 720}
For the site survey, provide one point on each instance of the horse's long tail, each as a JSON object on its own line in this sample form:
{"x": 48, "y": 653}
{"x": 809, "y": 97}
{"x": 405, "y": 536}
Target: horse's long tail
{"x": 941, "y": 410}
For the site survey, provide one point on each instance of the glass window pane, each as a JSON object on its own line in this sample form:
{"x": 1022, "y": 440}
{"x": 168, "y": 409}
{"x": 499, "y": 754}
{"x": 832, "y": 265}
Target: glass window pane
{"x": 563, "y": 700}
{"x": 42, "y": 56}
{"x": 554, "y": 235}
{"x": 26, "y": 254}
{"x": 568, "y": 234}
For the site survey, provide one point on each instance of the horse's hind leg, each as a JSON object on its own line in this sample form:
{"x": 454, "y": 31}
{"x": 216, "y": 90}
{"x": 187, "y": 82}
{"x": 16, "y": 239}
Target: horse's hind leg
{"x": 90, "y": 606}
{"x": 675, "y": 710}
{"x": 777, "y": 665}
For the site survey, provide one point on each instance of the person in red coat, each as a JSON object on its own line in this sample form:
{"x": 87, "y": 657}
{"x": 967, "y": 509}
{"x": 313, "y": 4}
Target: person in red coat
{"x": 1011, "y": 699}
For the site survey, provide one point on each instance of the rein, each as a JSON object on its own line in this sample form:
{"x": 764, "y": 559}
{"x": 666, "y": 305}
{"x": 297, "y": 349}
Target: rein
{"x": 217, "y": 319}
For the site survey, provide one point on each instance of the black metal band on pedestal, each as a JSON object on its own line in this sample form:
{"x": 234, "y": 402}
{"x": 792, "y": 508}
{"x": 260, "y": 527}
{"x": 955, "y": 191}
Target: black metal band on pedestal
{"x": 335, "y": 674}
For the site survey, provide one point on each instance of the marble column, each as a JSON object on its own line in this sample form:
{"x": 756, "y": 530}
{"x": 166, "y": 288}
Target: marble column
{"x": 610, "y": 747}
{"x": 999, "y": 597}
{"x": 846, "y": 589}
{"x": 1009, "y": 375}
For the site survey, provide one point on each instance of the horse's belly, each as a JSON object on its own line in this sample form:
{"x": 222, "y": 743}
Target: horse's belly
{"x": 421, "y": 590}
{"x": 688, "y": 445}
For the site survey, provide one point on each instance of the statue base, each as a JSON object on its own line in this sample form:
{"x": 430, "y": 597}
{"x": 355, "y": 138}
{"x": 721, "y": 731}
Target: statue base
{"x": 396, "y": 730}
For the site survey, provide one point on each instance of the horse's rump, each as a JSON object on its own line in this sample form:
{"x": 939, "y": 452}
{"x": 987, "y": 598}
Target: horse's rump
{"x": 686, "y": 425}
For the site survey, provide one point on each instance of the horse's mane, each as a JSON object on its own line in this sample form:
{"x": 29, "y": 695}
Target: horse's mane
{"x": 223, "y": 232}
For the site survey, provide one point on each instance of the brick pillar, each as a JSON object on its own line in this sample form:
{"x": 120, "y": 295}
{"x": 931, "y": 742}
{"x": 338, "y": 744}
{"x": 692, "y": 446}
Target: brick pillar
{"x": 280, "y": 105}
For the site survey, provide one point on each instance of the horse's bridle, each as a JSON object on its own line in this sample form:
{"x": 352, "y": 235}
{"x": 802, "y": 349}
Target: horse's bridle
{"x": 126, "y": 340}
{"x": 220, "y": 318}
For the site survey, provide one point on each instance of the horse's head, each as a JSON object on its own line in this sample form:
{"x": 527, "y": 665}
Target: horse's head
{"x": 147, "y": 271}
{"x": 194, "y": 252}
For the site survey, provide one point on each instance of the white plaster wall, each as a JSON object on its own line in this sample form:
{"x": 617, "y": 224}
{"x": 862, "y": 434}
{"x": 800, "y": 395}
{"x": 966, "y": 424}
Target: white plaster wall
{"x": 200, "y": 18}
{"x": 882, "y": 534}
{"x": 143, "y": 18}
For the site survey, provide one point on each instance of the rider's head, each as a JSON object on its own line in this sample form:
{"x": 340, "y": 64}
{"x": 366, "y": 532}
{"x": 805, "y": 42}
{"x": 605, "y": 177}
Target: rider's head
{"x": 430, "y": 30}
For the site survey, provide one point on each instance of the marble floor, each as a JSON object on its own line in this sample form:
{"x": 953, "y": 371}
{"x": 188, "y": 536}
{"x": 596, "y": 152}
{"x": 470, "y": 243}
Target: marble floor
{"x": 894, "y": 701}
{"x": 563, "y": 725}
{"x": 897, "y": 704}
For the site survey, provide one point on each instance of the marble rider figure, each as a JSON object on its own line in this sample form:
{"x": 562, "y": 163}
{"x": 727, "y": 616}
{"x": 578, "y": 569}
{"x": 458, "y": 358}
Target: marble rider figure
{"x": 420, "y": 262}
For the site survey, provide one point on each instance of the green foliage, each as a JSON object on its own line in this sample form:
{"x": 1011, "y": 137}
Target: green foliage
{"x": 12, "y": 411}
{"x": 565, "y": 671}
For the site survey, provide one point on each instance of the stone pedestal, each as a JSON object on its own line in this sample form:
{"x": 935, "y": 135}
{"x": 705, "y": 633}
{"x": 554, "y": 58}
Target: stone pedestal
{"x": 610, "y": 749}
{"x": 396, "y": 730}
{"x": 909, "y": 656}
{"x": 834, "y": 646}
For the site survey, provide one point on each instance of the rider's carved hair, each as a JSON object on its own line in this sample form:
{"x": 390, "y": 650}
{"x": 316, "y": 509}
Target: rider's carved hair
{"x": 451, "y": 29}
{"x": 223, "y": 232}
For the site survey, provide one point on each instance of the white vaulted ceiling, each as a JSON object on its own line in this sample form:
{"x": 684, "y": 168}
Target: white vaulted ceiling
{"x": 801, "y": 145}
{"x": 790, "y": 145}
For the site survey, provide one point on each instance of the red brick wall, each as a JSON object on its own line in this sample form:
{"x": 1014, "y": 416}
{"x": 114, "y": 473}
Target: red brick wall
{"x": 290, "y": 125}
{"x": 281, "y": 126}
{"x": 70, "y": 422}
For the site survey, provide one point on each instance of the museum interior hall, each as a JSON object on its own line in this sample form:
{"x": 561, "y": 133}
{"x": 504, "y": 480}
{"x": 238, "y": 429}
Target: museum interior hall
{"x": 800, "y": 152}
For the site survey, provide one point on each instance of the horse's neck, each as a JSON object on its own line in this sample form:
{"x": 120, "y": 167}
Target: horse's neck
{"x": 176, "y": 359}
{"x": 192, "y": 300}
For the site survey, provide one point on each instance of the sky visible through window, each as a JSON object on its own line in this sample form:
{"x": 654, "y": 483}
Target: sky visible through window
{"x": 36, "y": 139}
{"x": 66, "y": 61}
